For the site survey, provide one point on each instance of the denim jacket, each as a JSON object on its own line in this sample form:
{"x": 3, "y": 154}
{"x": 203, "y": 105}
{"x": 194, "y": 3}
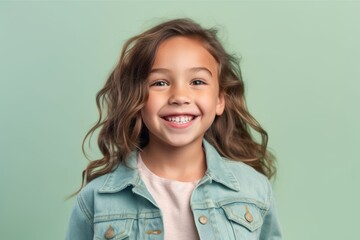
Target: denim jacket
{"x": 231, "y": 201}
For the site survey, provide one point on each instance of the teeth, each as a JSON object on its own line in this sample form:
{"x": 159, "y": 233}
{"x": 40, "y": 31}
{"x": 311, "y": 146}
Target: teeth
{"x": 180, "y": 119}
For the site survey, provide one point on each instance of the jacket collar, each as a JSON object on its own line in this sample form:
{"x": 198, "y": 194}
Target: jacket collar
{"x": 126, "y": 174}
{"x": 217, "y": 169}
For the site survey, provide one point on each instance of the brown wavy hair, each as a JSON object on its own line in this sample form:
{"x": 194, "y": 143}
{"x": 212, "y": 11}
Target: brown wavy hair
{"x": 125, "y": 92}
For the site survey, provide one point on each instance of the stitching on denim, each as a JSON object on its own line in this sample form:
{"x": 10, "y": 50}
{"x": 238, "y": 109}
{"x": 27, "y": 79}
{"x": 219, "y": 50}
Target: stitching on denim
{"x": 135, "y": 216}
{"x": 85, "y": 210}
{"x": 106, "y": 181}
{"x": 269, "y": 195}
{"x": 212, "y": 214}
{"x": 211, "y": 204}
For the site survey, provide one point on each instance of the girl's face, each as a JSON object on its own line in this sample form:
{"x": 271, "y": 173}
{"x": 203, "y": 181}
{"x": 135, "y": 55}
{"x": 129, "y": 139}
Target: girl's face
{"x": 184, "y": 93}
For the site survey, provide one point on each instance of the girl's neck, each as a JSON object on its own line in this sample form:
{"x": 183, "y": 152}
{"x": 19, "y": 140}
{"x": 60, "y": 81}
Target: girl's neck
{"x": 185, "y": 164}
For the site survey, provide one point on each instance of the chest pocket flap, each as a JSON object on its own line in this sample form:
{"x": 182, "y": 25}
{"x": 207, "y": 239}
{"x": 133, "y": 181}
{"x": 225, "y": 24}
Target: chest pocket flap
{"x": 114, "y": 230}
{"x": 246, "y": 214}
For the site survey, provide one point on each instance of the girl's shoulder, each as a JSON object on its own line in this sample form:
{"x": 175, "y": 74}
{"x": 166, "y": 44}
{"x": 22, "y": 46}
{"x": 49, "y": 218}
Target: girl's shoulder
{"x": 229, "y": 168}
{"x": 250, "y": 185}
{"x": 90, "y": 190}
{"x": 244, "y": 171}
{"x": 243, "y": 180}
{"x": 247, "y": 175}
{"x": 123, "y": 175}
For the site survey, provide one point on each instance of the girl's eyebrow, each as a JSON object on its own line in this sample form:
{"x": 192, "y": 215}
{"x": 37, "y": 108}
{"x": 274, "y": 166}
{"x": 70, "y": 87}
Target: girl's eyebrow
{"x": 197, "y": 69}
{"x": 193, "y": 70}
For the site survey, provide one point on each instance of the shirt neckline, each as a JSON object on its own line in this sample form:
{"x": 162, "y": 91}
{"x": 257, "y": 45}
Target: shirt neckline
{"x": 146, "y": 171}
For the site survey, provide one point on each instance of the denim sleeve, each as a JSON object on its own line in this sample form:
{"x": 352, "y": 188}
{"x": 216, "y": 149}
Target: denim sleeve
{"x": 80, "y": 224}
{"x": 271, "y": 229}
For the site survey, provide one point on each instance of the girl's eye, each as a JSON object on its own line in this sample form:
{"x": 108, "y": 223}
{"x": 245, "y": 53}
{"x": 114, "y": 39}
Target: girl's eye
{"x": 159, "y": 83}
{"x": 198, "y": 82}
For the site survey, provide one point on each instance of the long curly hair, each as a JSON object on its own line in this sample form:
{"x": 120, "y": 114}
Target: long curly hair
{"x": 125, "y": 92}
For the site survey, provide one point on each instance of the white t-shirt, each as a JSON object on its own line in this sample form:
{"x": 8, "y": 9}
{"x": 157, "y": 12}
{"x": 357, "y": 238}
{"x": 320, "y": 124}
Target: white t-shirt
{"x": 173, "y": 199}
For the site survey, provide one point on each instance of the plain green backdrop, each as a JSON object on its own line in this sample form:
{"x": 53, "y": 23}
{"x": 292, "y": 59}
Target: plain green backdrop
{"x": 300, "y": 62}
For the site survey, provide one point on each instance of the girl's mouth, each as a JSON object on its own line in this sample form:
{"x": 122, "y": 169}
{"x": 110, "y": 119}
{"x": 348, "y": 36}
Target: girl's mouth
{"x": 183, "y": 119}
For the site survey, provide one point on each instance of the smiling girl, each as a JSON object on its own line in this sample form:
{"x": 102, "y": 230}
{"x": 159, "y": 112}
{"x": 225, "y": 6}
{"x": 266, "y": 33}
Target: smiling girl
{"x": 179, "y": 161}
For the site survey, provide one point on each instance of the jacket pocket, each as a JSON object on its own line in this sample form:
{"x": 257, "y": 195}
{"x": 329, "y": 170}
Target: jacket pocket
{"x": 245, "y": 219}
{"x": 114, "y": 230}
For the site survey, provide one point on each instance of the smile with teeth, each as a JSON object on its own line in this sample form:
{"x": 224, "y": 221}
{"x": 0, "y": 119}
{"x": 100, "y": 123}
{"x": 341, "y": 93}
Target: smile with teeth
{"x": 179, "y": 119}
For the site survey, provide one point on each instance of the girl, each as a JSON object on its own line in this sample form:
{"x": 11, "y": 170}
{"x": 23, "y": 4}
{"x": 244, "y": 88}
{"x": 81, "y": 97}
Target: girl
{"x": 179, "y": 161}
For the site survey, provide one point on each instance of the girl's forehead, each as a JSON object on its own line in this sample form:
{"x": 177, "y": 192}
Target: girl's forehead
{"x": 184, "y": 53}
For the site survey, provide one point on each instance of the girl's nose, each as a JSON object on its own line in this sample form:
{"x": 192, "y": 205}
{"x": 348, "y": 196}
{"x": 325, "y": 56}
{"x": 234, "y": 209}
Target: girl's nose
{"x": 179, "y": 95}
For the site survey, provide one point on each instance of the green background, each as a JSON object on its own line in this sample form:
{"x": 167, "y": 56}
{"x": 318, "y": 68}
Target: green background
{"x": 300, "y": 62}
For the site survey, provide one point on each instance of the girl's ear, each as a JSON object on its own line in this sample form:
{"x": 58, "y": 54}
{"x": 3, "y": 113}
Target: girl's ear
{"x": 220, "y": 106}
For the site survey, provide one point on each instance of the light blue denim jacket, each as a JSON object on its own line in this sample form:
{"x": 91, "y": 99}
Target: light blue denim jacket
{"x": 231, "y": 201}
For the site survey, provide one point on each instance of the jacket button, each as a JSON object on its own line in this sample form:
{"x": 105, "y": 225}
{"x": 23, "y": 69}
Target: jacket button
{"x": 249, "y": 217}
{"x": 203, "y": 220}
{"x": 110, "y": 233}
